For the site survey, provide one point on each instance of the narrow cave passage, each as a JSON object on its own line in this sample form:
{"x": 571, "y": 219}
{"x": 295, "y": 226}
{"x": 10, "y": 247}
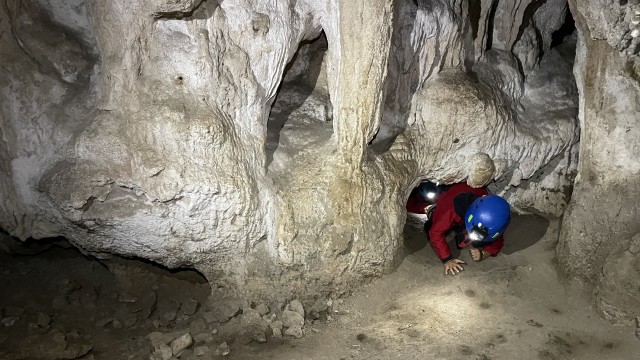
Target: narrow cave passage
{"x": 301, "y": 114}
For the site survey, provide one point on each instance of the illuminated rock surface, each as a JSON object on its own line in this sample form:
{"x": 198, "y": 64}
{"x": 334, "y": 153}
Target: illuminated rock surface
{"x": 272, "y": 145}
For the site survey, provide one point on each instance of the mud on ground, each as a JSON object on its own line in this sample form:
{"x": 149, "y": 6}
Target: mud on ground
{"x": 59, "y": 304}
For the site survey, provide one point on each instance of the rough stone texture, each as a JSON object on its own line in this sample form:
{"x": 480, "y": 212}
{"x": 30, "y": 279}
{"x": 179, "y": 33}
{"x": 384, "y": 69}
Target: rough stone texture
{"x": 602, "y": 215}
{"x": 161, "y": 142}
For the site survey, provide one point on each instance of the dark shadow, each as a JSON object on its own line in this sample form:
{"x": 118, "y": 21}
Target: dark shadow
{"x": 490, "y": 22}
{"x": 304, "y": 85}
{"x": 59, "y": 247}
{"x": 567, "y": 28}
{"x": 416, "y": 239}
{"x": 402, "y": 76}
{"x": 523, "y": 232}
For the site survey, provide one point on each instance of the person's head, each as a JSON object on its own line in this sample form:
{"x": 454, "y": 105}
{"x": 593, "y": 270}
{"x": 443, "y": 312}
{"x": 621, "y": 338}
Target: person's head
{"x": 429, "y": 192}
{"x": 487, "y": 218}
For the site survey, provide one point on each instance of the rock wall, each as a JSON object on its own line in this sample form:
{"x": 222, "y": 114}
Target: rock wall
{"x": 144, "y": 129}
{"x": 598, "y": 240}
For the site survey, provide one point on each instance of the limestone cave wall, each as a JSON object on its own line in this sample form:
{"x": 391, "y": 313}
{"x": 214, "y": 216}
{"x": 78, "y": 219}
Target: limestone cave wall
{"x": 599, "y": 236}
{"x": 275, "y": 142}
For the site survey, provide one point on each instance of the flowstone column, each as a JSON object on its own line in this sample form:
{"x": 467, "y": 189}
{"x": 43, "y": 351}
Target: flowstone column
{"x": 338, "y": 214}
{"x": 598, "y": 241}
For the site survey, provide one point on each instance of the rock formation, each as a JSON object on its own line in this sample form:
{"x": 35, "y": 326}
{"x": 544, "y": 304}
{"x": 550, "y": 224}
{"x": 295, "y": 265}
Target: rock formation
{"x": 274, "y": 143}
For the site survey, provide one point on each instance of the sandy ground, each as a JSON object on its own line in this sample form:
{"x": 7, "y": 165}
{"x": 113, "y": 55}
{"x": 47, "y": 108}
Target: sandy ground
{"x": 509, "y": 307}
{"x": 59, "y": 304}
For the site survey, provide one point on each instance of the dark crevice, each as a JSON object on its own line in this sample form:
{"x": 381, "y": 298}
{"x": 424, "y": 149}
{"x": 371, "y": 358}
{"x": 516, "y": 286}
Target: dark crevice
{"x": 490, "y": 24}
{"x": 475, "y": 9}
{"x": 31, "y": 247}
{"x": 567, "y": 28}
{"x": 178, "y": 15}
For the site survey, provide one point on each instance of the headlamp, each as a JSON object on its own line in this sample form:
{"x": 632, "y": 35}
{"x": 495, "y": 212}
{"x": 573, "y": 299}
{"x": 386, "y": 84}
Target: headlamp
{"x": 478, "y": 233}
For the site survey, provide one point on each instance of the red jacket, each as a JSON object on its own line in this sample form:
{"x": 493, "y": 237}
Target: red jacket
{"x": 444, "y": 218}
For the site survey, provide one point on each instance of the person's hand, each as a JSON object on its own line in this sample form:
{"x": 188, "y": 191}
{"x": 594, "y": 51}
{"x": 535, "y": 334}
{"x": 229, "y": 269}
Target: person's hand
{"x": 454, "y": 266}
{"x": 478, "y": 255}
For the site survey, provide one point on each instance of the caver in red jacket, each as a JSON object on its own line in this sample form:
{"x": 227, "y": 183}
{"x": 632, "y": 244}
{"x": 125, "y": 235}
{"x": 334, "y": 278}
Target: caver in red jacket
{"x": 448, "y": 214}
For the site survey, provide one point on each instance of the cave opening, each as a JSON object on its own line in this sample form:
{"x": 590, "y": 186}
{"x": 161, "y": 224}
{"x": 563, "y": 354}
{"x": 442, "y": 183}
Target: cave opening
{"x": 301, "y": 114}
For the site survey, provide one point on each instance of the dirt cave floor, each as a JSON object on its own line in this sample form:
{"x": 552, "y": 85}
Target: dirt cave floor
{"x": 57, "y": 304}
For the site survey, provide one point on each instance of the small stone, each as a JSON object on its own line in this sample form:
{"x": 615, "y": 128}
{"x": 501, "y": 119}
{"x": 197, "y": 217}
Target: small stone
{"x": 329, "y": 303}
{"x": 214, "y": 331}
{"x": 291, "y": 319}
{"x": 276, "y": 327}
{"x": 260, "y": 337}
{"x": 9, "y": 321}
{"x": 200, "y": 351}
{"x": 203, "y": 338}
{"x": 162, "y": 352}
{"x": 296, "y": 305}
{"x": 295, "y": 331}
{"x": 262, "y": 309}
{"x": 127, "y": 298}
{"x": 116, "y": 324}
{"x": 189, "y": 307}
{"x": 224, "y": 349}
{"x": 181, "y": 343}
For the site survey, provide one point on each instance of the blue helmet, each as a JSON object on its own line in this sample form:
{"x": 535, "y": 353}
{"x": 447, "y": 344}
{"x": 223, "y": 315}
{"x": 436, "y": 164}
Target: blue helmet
{"x": 429, "y": 191}
{"x": 487, "y": 218}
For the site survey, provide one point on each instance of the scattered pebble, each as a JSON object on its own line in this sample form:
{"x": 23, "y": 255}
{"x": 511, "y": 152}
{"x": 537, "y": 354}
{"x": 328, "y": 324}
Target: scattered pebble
{"x": 161, "y": 352}
{"x": 224, "y": 349}
{"x": 295, "y": 331}
{"x": 276, "y": 328}
{"x": 291, "y": 319}
{"x": 127, "y": 298}
{"x": 9, "y": 321}
{"x": 203, "y": 338}
{"x": 181, "y": 343}
{"x": 296, "y": 305}
{"x": 262, "y": 309}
